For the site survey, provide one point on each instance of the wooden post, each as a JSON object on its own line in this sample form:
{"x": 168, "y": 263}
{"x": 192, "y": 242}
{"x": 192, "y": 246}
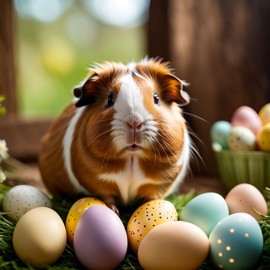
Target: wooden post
{"x": 22, "y": 136}
{"x": 157, "y": 29}
{"x": 7, "y": 62}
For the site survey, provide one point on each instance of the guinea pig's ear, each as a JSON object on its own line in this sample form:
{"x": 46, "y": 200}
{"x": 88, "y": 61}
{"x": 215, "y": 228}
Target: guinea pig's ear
{"x": 175, "y": 90}
{"x": 87, "y": 93}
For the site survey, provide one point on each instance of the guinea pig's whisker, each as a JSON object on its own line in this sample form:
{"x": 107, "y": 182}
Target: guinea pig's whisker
{"x": 157, "y": 153}
{"x": 195, "y": 116}
{"x": 161, "y": 146}
{"x": 195, "y": 155}
{"x": 107, "y": 155}
{"x": 102, "y": 134}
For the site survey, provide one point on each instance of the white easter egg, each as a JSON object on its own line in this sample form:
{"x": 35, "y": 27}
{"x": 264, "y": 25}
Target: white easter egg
{"x": 22, "y": 198}
{"x": 241, "y": 139}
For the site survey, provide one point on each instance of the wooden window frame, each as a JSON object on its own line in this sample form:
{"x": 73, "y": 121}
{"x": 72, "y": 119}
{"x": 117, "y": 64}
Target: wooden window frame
{"x": 22, "y": 136}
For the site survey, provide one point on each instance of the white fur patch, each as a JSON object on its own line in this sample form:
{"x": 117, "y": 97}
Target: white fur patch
{"x": 129, "y": 180}
{"x": 129, "y": 105}
{"x": 67, "y": 142}
{"x": 129, "y": 99}
{"x": 182, "y": 161}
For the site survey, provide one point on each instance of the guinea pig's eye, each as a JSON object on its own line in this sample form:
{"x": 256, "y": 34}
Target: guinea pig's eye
{"x": 110, "y": 100}
{"x": 156, "y": 99}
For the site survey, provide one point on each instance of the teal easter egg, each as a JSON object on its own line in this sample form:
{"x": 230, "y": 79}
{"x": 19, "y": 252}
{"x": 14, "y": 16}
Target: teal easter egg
{"x": 219, "y": 133}
{"x": 205, "y": 211}
{"x": 236, "y": 243}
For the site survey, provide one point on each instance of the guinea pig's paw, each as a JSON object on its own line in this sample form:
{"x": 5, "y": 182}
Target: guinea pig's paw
{"x": 114, "y": 208}
{"x": 110, "y": 202}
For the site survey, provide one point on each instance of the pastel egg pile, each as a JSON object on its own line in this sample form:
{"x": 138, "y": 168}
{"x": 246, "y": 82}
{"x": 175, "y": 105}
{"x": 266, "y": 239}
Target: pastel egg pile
{"x": 247, "y": 131}
{"x": 227, "y": 230}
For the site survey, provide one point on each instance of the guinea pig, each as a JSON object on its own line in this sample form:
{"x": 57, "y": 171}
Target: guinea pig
{"x": 123, "y": 138}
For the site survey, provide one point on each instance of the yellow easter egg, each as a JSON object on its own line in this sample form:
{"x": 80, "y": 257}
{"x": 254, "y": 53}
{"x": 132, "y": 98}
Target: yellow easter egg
{"x": 147, "y": 217}
{"x": 264, "y": 114}
{"x": 264, "y": 138}
{"x": 75, "y": 213}
{"x": 39, "y": 238}
{"x": 174, "y": 245}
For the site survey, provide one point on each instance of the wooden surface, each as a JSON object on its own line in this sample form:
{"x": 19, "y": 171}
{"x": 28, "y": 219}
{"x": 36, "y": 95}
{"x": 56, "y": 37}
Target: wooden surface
{"x": 23, "y": 137}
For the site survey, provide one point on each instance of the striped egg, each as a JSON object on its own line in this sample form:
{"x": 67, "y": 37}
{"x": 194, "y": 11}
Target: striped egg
{"x": 146, "y": 217}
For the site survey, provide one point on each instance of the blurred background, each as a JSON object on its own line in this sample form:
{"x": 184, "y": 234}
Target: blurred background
{"x": 46, "y": 46}
{"x": 57, "y": 40}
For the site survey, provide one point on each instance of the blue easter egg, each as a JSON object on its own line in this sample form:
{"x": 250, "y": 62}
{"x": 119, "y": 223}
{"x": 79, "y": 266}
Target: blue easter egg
{"x": 236, "y": 243}
{"x": 219, "y": 133}
{"x": 205, "y": 211}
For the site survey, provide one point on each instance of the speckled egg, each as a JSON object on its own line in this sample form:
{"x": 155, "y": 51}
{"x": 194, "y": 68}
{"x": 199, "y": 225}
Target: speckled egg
{"x": 236, "y": 243}
{"x": 245, "y": 116}
{"x": 175, "y": 245}
{"x": 264, "y": 138}
{"x": 241, "y": 139}
{"x": 264, "y": 114}
{"x": 22, "y": 198}
{"x": 39, "y": 237}
{"x": 146, "y": 217}
{"x": 75, "y": 213}
{"x": 100, "y": 239}
{"x": 248, "y": 199}
{"x": 219, "y": 133}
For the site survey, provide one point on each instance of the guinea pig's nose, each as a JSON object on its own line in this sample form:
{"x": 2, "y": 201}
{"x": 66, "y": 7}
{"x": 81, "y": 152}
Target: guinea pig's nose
{"x": 134, "y": 123}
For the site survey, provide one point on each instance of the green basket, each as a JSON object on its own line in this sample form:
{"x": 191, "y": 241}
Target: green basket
{"x": 251, "y": 167}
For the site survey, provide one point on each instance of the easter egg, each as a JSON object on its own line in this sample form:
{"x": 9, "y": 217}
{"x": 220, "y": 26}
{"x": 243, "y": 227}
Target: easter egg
{"x": 264, "y": 138}
{"x": 75, "y": 213}
{"x": 23, "y": 198}
{"x": 57, "y": 57}
{"x": 205, "y": 211}
{"x": 219, "y": 133}
{"x": 100, "y": 239}
{"x": 264, "y": 114}
{"x": 173, "y": 245}
{"x": 245, "y": 116}
{"x": 236, "y": 243}
{"x": 146, "y": 217}
{"x": 241, "y": 139}
{"x": 39, "y": 237}
{"x": 248, "y": 199}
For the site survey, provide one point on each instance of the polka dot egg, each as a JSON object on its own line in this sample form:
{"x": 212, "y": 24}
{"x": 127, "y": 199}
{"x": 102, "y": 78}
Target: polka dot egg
{"x": 22, "y": 198}
{"x": 241, "y": 139}
{"x": 76, "y": 212}
{"x": 146, "y": 217}
{"x": 236, "y": 243}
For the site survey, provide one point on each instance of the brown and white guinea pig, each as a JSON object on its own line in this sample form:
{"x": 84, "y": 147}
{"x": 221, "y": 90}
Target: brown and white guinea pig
{"x": 124, "y": 137}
